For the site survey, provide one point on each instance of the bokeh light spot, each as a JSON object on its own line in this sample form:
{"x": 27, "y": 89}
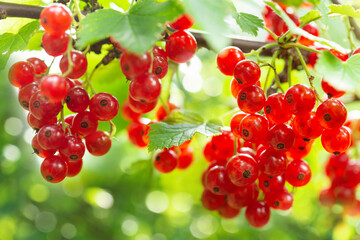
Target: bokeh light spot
{"x": 13, "y": 126}
{"x": 38, "y": 193}
{"x": 157, "y": 201}
{"x": 68, "y": 231}
{"x": 45, "y": 221}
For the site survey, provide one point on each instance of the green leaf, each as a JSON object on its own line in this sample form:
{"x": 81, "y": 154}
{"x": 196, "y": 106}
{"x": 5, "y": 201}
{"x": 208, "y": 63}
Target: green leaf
{"x": 298, "y": 31}
{"x": 10, "y": 42}
{"x": 210, "y": 17}
{"x": 310, "y": 16}
{"x": 249, "y": 23}
{"x": 342, "y": 75}
{"x": 180, "y": 127}
{"x": 136, "y": 30}
{"x": 344, "y": 9}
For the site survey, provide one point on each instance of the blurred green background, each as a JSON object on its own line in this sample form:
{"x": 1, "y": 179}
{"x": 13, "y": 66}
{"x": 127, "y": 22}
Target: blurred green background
{"x": 121, "y": 196}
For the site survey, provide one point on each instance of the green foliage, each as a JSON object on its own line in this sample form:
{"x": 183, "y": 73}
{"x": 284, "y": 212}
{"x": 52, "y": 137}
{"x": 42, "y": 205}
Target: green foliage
{"x": 137, "y": 30}
{"x": 343, "y": 75}
{"x": 295, "y": 3}
{"x": 210, "y": 16}
{"x": 180, "y": 127}
{"x": 310, "y": 16}
{"x": 344, "y": 9}
{"x": 249, "y": 23}
{"x": 10, "y": 42}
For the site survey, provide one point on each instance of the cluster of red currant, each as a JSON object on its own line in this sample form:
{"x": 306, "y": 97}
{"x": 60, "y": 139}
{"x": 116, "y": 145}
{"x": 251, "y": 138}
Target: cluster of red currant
{"x": 44, "y": 96}
{"x": 344, "y": 174}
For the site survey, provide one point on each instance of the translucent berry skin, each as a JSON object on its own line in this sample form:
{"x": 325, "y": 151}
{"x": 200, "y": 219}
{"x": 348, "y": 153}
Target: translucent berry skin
{"x": 73, "y": 148}
{"x": 336, "y": 165}
{"x": 133, "y": 65}
{"x": 137, "y": 134}
{"x": 56, "y": 18}
{"x": 140, "y": 107}
{"x": 242, "y": 169}
{"x": 39, "y": 65}
{"x": 128, "y": 114}
{"x": 36, "y": 124}
{"x": 247, "y": 72}
{"x": 272, "y": 163}
{"x": 276, "y": 110}
{"x": 104, "y": 106}
{"x": 185, "y": 158}
{"x": 331, "y": 113}
{"x": 235, "y": 88}
{"x": 145, "y": 88}
{"x": 212, "y": 201}
{"x": 185, "y": 21}
{"x": 235, "y": 123}
{"x": 307, "y": 126}
{"x": 298, "y": 173}
{"x": 79, "y": 64}
{"x": 25, "y": 94}
{"x": 42, "y": 108}
{"x": 217, "y": 180}
{"x": 281, "y": 137}
{"x": 228, "y": 212}
{"x": 227, "y": 58}
{"x": 271, "y": 184}
{"x": 257, "y": 214}
{"x": 336, "y": 140}
{"x": 54, "y": 87}
{"x": 21, "y": 73}
{"x": 51, "y": 136}
{"x": 282, "y": 200}
{"x": 251, "y": 99}
{"x": 74, "y": 168}
{"x": 166, "y": 161}
{"x": 300, "y": 149}
{"x": 300, "y": 99}
{"x": 160, "y": 66}
{"x": 38, "y": 150}
{"x": 159, "y": 52}
{"x": 55, "y": 45}
{"x": 54, "y": 169}
{"x": 181, "y": 46}
{"x": 254, "y": 128}
{"x": 98, "y": 143}
{"x": 331, "y": 91}
{"x": 85, "y": 123}
{"x": 77, "y": 99}
{"x": 243, "y": 196}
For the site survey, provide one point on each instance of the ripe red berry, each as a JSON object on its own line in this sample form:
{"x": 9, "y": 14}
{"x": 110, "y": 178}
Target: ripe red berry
{"x": 242, "y": 169}
{"x": 73, "y": 148}
{"x": 247, "y": 72}
{"x": 79, "y": 64}
{"x": 55, "y": 45}
{"x": 42, "y": 108}
{"x": 327, "y": 198}
{"x": 104, "y": 106}
{"x": 282, "y": 199}
{"x": 281, "y": 137}
{"x": 227, "y": 58}
{"x": 331, "y": 113}
{"x": 242, "y": 196}
{"x": 77, "y": 99}
{"x": 51, "y": 136}
{"x": 38, "y": 150}
{"x": 272, "y": 163}
{"x": 330, "y": 90}
{"x": 307, "y": 126}
{"x": 228, "y": 212}
{"x": 185, "y": 21}
{"x": 54, "y": 169}
{"x": 56, "y": 18}
{"x": 300, "y": 99}
{"x": 161, "y": 113}
{"x": 160, "y": 66}
{"x": 313, "y": 30}
{"x": 217, "y": 180}
{"x": 54, "y": 87}
{"x": 342, "y": 56}
{"x": 235, "y": 123}
{"x": 137, "y": 133}
{"x": 36, "y": 124}
{"x": 276, "y": 110}
{"x": 25, "y": 94}
{"x": 181, "y": 46}
{"x": 74, "y": 168}
{"x": 140, "y": 107}
{"x": 127, "y": 113}
{"x": 271, "y": 184}
{"x": 300, "y": 149}
{"x": 185, "y": 158}
{"x": 98, "y": 143}
{"x": 351, "y": 175}
{"x": 251, "y": 99}
{"x": 159, "y": 52}
{"x": 21, "y": 73}
{"x": 254, "y": 128}
{"x": 336, "y": 165}
{"x": 336, "y": 140}
{"x": 257, "y": 214}
{"x": 145, "y": 88}
{"x": 84, "y": 123}
{"x": 166, "y": 161}
{"x": 298, "y": 173}
{"x": 39, "y": 66}
{"x": 133, "y": 65}
{"x": 212, "y": 201}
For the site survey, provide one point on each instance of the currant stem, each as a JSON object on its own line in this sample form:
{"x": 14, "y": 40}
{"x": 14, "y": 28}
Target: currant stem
{"x": 290, "y": 60}
{"x": 48, "y": 69}
{"x": 68, "y": 55}
{"x": 296, "y": 45}
{"x": 349, "y": 31}
{"x": 308, "y": 74}
{"x": 277, "y": 80}
{"x": 268, "y": 73}
{"x": 271, "y": 33}
{"x": 235, "y": 145}
{"x": 261, "y": 49}
{"x": 112, "y": 130}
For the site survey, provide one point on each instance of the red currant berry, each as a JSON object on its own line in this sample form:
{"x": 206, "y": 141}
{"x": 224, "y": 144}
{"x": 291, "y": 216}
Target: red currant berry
{"x": 300, "y": 149}
{"x": 276, "y": 110}
{"x": 181, "y": 46}
{"x": 336, "y": 165}
{"x": 77, "y": 99}
{"x": 282, "y": 200}
{"x": 242, "y": 169}
{"x": 331, "y": 114}
{"x": 300, "y": 99}
{"x": 298, "y": 173}
{"x": 271, "y": 184}
{"x": 39, "y": 65}
{"x": 85, "y": 123}
{"x": 352, "y": 174}
{"x": 336, "y": 140}
{"x": 98, "y": 143}
{"x": 140, "y": 107}
{"x": 137, "y": 133}
{"x": 36, "y": 124}
{"x": 212, "y": 201}
{"x": 235, "y": 123}
{"x": 145, "y": 88}
{"x": 128, "y": 114}
{"x": 25, "y": 94}
{"x": 228, "y": 212}
{"x": 227, "y": 58}
{"x": 313, "y": 30}
{"x": 104, "y": 106}
{"x": 281, "y": 137}
{"x": 161, "y": 113}
{"x": 307, "y": 126}
{"x": 159, "y": 52}
{"x": 74, "y": 168}
{"x": 51, "y": 136}
{"x": 56, "y": 18}
{"x": 257, "y": 214}
{"x": 185, "y": 158}
{"x": 79, "y": 64}
{"x": 330, "y": 90}
{"x": 54, "y": 169}
{"x": 42, "y": 108}
{"x": 38, "y": 150}
{"x": 55, "y": 45}
{"x": 217, "y": 180}
{"x": 73, "y": 148}
{"x": 251, "y": 99}
{"x": 327, "y": 198}
{"x": 254, "y": 128}
{"x": 235, "y": 88}
{"x": 247, "y": 73}
{"x": 133, "y": 65}
{"x": 344, "y": 195}
{"x": 243, "y": 196}
{"x": 54, "y": 87}
{"x": 166, "y": 161}
{"x": 21, "y": 74}
{"x": 160, "y": 66}
{"x": 342, "y": 56}
{"x": 185, "y": 21}
{"x": 272, "y": 163}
